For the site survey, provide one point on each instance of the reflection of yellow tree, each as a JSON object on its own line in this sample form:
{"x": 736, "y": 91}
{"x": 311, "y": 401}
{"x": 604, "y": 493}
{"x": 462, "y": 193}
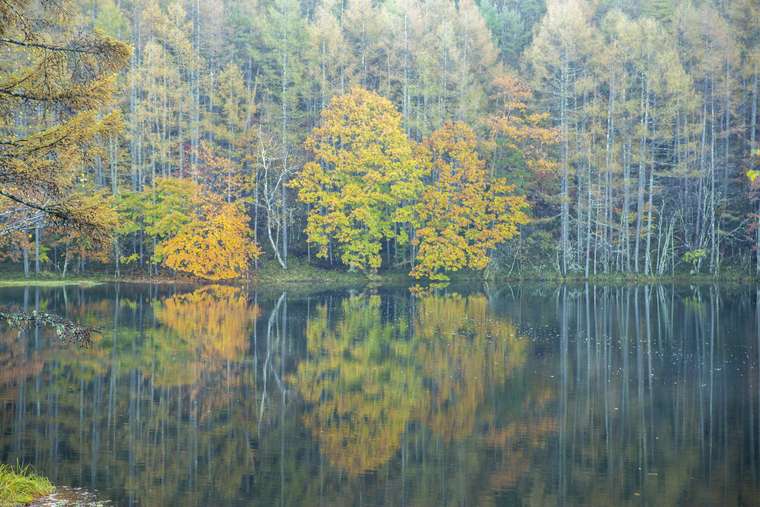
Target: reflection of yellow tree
{"x": 462, "y": 350}
{"x": 518, "y": 440}
{"x": 198, "y": 330}
{"x": 367, "y": 380}
{"x": 361, "y": 380}
{"x": 215, "y": 318}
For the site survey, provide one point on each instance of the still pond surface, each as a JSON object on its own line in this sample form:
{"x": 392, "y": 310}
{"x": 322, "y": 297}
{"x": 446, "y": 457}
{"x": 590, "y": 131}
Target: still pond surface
{"x": 521, "y": 395}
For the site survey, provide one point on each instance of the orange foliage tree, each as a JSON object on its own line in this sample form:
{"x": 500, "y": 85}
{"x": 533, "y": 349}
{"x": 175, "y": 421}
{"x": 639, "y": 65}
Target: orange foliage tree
{"x": 463, "y": 213}
{"x": 215, "y": 245}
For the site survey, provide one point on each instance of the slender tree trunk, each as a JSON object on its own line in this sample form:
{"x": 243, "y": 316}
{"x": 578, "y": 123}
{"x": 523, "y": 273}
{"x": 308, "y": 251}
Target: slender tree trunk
{"x": 607, "y": 237}
{"x": 565, "y": 194}
{"x": 713, "y": 215}
{"x": 642, "y": 169}
{"x": 284, "y": 258}
{"x": 37, "y": 249}
{"x": 647, "y": 252}
{"x": 65, "y": 260}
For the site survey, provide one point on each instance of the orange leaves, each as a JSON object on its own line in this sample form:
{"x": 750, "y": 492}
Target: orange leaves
{"x": 216, "y": 245}
{"x": 514, "y": 127}
{"x": 463, "y": 214}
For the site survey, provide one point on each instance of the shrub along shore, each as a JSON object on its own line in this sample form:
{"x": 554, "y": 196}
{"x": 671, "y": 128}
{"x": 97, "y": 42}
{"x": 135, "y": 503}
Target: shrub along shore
{"x": 20, "y": 485}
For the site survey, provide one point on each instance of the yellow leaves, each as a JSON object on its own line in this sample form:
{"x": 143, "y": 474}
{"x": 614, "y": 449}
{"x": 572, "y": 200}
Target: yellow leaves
{"x": 752, "y": 174}
{"x": 514, "y": 128}
{"x": 366, "y": 184}
{"x": 363, "y": 171}
{"x": 463, "y": 215}
{"x": 215, "y": 245}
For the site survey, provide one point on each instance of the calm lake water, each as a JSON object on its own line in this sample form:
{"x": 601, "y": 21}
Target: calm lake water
{"x": 518, "y": 395}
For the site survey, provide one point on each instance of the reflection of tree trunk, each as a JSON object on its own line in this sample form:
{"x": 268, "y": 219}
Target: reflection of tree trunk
{"x": 25, "y": 252}
{"x": 757, "y": 324}
{"x": 563, "y": 411}
{"x": 272, "y": 322}
{"x": 66, "y": 260}
{"x": 37, "y": 249}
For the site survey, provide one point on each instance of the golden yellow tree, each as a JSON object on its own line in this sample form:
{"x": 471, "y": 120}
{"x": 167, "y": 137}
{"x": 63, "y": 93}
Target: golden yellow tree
{"x": 216, "y": 245}
{"x": 362, "y": 181}
{"x": 462, "y": 213}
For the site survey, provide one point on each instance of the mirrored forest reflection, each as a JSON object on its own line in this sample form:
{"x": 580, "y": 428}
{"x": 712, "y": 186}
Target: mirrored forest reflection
{"x": 524, "y": 395}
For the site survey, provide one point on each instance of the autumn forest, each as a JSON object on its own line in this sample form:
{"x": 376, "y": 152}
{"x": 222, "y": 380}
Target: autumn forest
{"x": 205, "y": 139}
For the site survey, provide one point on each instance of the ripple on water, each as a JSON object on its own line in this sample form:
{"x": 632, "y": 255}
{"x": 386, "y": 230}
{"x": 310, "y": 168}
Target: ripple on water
{"x": 71, "y": 496}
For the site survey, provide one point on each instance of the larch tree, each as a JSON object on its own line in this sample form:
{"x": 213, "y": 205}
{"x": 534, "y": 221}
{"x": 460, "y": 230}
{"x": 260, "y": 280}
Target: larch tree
{"x": 70, "y": 78}
{"x": 558, "y": 59}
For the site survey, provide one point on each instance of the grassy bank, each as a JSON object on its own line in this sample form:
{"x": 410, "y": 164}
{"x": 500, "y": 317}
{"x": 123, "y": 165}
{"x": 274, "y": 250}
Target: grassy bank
{"x": 20, "y": 485}
{"x": 32, "y": 282}
{"x": 299, "y": 272}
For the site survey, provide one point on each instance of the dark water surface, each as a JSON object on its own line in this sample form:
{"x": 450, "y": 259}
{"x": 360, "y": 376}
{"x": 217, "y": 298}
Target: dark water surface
{"x": 521, "y": 395}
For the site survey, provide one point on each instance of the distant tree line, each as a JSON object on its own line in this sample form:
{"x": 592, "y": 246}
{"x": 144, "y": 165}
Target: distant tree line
{"x": 629, "y": 129}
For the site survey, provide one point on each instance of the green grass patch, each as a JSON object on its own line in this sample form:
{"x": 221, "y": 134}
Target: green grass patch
{"x": 301, "y": 272}
{"x": 32, "y": 282}
{"x": 48, "y": 279}
{"x": 20, "y": 485}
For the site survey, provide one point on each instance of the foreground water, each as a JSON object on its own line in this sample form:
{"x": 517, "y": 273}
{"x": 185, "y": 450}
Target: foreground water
{"x": 525, "y": 395}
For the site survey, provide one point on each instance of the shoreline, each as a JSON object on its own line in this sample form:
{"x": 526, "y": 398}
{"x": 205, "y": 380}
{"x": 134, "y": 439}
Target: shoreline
{"x": 309, "y": 275}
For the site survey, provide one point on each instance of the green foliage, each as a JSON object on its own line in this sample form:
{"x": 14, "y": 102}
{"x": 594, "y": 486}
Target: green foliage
{"x": 694, "y": 258}
{"x": 511, "y": 22}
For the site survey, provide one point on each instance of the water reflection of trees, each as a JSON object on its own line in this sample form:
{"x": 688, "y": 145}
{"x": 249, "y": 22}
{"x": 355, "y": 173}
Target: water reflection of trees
{"x": 363, "y": 382}
{"x": 597, "y": 396}
{"x": 151, "y": 404}
{"x": 368, "y": 375}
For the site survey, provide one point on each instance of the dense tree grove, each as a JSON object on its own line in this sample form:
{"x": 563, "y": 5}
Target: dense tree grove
{"x": 576, "y": 137}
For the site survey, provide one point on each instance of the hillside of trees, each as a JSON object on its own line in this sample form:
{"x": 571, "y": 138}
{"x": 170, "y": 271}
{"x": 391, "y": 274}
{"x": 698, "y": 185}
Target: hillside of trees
{"x": 519, "y": 137}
